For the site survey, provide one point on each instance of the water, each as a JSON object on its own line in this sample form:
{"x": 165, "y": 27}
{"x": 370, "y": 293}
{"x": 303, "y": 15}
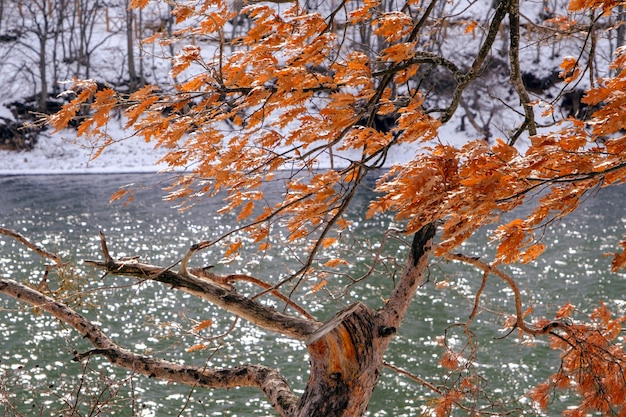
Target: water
{"x": 65, "y": 214}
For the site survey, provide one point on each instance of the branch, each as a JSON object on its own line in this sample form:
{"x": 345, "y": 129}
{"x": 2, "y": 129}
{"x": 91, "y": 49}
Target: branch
{"x": 519, "y": 313}
{"x": 414, "y": 377}
{"x": 42, "y": 252}
{"x": 516, "y": 75}
{"x": 565, "y": 178}
{"x": 412, "y": 277}
{"x": 464, "y": 80}
{"x": 216, "y": 293}
{"x": 267, "y": 379}
{"x": 225, "y": 281}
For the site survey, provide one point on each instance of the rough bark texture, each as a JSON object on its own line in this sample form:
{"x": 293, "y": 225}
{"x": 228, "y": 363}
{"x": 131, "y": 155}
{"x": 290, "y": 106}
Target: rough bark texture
{"x": 343, "y": 365}
{"x": 347, "y": 352}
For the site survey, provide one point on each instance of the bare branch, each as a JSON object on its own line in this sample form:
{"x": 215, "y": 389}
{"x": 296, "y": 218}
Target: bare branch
{"x": 267, "y": 379}
{"x": 412, "y": 277}
{"x": 56, "y": 259}
{"x": 226, "y": 281}
{"x": 219, "y": 295}
{"x": 414, "y": 377}
{"x": 519, "y": 312}
{"x": 463, "y": 80}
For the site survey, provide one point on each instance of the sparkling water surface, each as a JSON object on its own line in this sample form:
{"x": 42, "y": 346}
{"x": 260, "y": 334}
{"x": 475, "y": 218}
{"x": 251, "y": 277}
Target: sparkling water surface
{"x": 65, "y": 214}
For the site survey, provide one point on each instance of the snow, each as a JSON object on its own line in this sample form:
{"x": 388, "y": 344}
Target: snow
{"x": 61, "y": 153}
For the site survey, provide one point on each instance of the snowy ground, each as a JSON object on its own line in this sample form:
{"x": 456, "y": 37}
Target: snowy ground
{"x": 62, "y": 153}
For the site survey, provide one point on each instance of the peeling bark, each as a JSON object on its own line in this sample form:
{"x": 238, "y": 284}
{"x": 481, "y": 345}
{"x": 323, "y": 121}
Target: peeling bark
{"x": 344, "y": 366}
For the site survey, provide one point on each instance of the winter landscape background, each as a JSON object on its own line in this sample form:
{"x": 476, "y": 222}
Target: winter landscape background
{"x": 45, "y": 44}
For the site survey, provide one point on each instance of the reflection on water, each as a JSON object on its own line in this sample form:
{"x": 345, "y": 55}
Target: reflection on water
{"x": 65, "y": 213}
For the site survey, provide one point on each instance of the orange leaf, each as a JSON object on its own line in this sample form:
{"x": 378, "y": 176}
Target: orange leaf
{"x": 203, "y": 325}
{"x": 138, "y": 4}
{"x": 399, "y": 52}
{"x": 533, "y": 252}
{"x": 450, "y": 360}
{"x": 233, "y": 248}
{"x": 328, "y": 242}
{"x": 319, "y": 286}
{"x": 335, "y": 262}
{"x": 471, "y": 26}
{"x": 565, "y": 311}
{"x": 570, "y": 71}
{"x": 619, "y": 262}
{"x": 246, "y": 211}
{"x": 504, "y": 151}
{"x": 152, "y": 39}
{"x": 527, "y": 312}
{"x": 182, "y": 13}
{"x": 200, "y": 346}
{"x": 541, "y": 395}
{"x": 119, "y": 194}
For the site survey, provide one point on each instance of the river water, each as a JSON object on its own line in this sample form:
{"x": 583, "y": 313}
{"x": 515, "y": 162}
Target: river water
{"x": 65, "y": 213}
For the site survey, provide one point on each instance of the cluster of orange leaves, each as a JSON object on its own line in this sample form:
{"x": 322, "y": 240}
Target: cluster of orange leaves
{"x": 471, "y": 185}
{"x": 592, "y": 365}
{"x": 247, "y": 114}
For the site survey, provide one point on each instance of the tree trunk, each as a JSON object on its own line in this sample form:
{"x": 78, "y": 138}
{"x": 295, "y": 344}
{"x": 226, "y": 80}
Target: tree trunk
{"x": 347, "y": 352}
{"x": 43, "y": 94}
{"x": 132, "y": 73}
{"x": 621, "y": 26}
{"x": 345, "y": 365}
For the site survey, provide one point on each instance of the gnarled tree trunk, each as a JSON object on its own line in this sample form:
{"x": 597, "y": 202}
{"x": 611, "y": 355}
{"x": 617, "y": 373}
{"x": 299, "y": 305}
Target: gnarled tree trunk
{"x": 346, "y": 353}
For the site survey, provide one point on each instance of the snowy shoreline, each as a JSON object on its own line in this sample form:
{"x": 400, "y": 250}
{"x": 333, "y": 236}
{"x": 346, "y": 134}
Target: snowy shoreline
{"x": 58, "y": 155}
{"x": 62, "y": 154}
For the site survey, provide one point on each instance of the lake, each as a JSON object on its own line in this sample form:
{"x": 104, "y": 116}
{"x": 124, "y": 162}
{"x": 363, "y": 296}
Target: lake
{"x": 65, "y": 213}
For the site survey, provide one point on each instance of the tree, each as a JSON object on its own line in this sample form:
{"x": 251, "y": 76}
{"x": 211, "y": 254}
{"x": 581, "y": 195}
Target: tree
{"x": 298, "y": 87}
{"x": 134, "y": 81}
{"x": 44, "y": 21}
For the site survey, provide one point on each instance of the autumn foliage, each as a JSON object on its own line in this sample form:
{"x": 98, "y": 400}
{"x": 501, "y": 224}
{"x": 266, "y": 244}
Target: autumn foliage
{"x": 293, "y": 91}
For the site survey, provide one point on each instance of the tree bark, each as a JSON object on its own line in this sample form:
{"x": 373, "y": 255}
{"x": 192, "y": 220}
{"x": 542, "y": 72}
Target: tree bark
{"x": 344, "y": 366}
{"x": 346, "y": 353}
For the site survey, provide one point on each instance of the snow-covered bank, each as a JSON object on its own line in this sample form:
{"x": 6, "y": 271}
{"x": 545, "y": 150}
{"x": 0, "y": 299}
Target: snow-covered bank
{"x": 61, "y": 153}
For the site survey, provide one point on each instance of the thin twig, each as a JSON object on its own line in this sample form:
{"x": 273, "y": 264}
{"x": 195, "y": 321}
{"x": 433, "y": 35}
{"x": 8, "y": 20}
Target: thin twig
{"x": 42, "y": 252}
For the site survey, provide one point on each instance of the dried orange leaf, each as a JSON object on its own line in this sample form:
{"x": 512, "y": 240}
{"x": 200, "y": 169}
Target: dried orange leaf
{"x": 200, "y": 346}
{"x": 203, "y": 325}
{"x": 318, "y": 286}
{"x": 335, "y": 262}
